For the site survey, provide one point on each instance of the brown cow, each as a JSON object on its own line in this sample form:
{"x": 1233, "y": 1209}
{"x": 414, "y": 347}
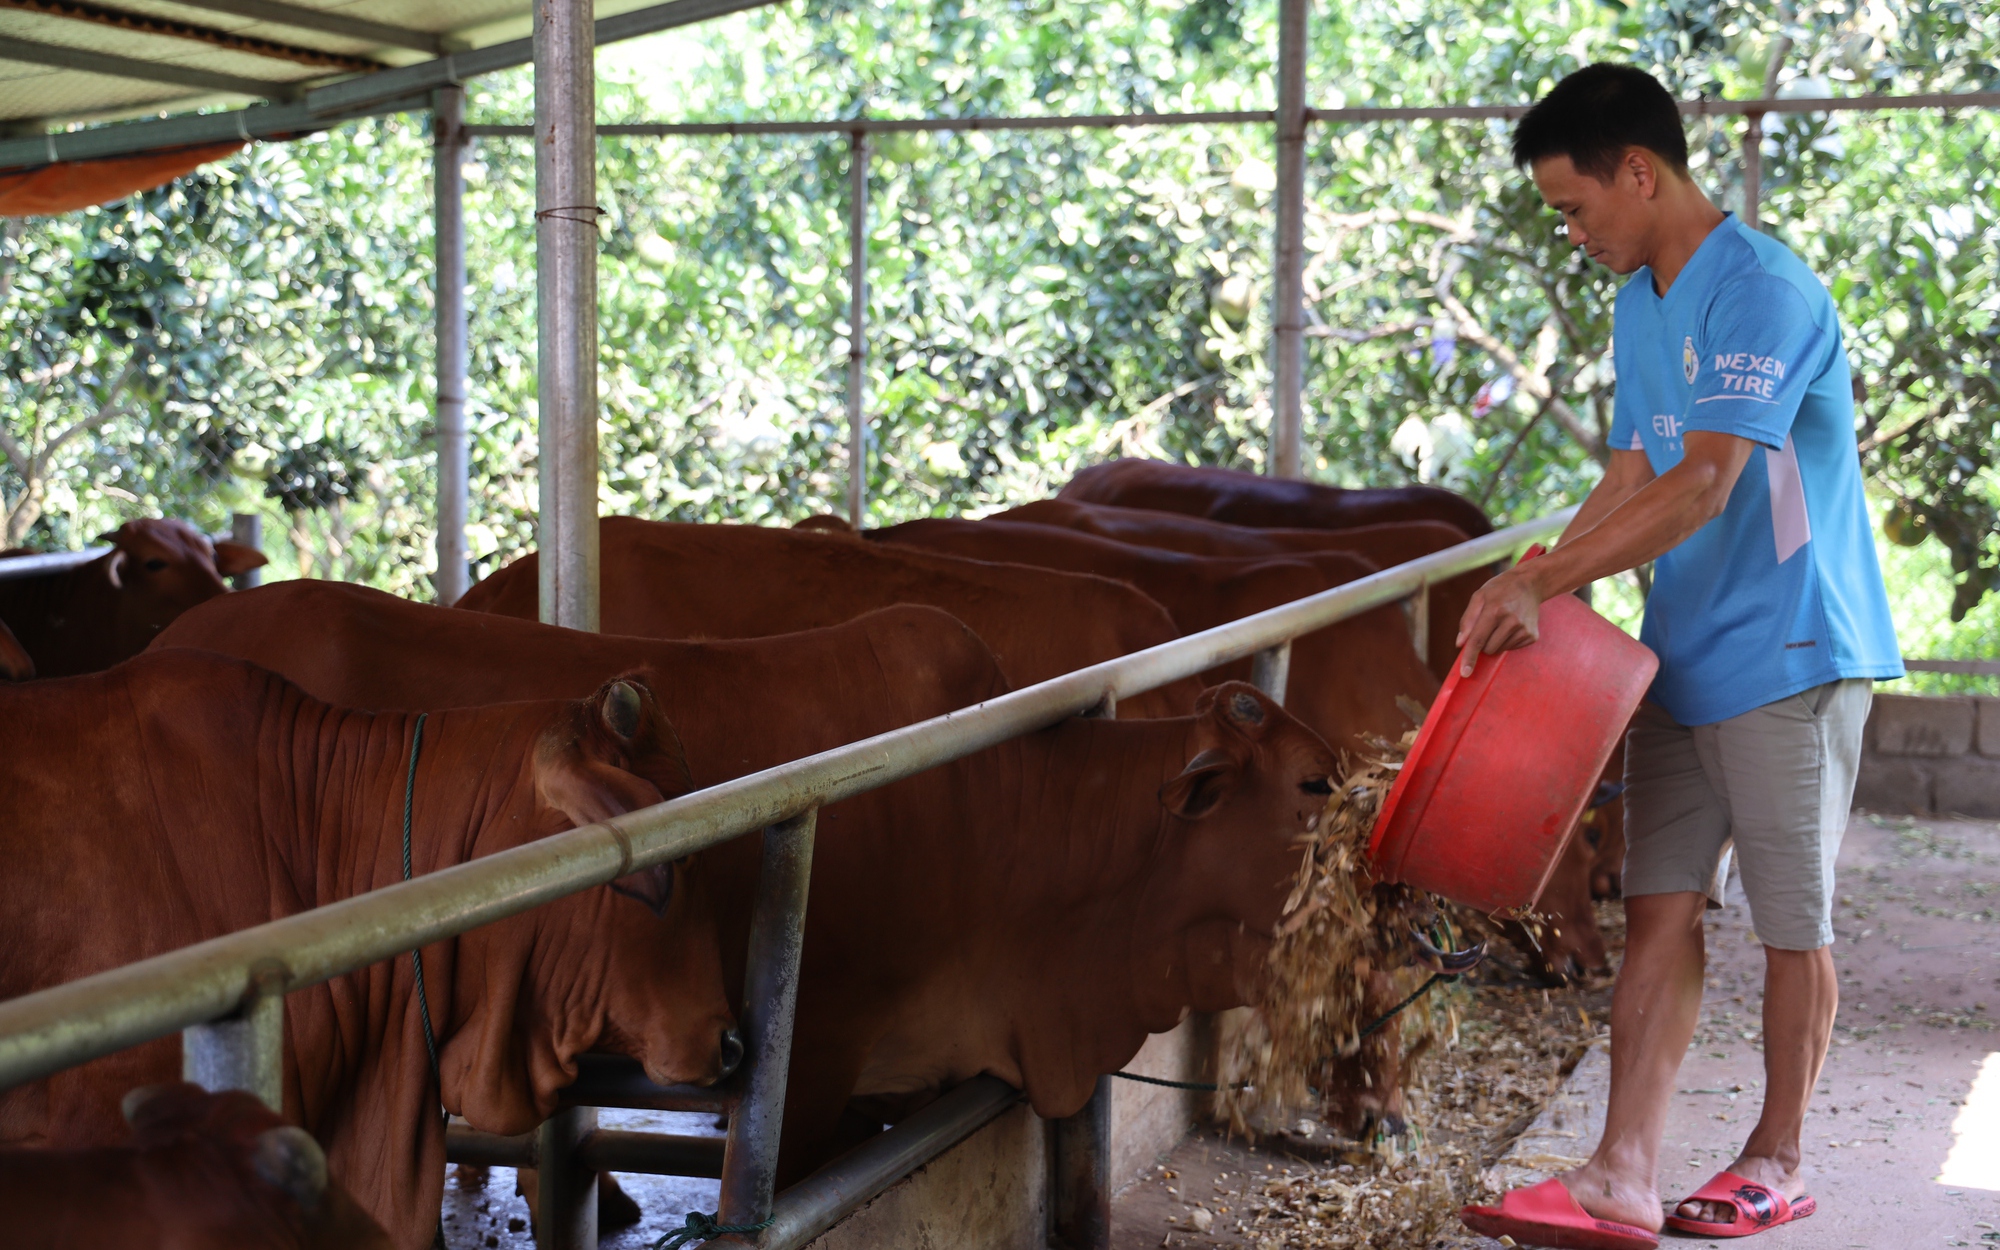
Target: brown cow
{"x": 202, "y": 1172}
{"x": 1346, "y": 681}
{"x": 1386, "y": 544}
{"x": 1252, "y": 499}
{"x": 665, "y": 580}
{"x": 85, "y": 619}
{"x": 15, "y": 662}
{"x": 1032, "y": 911}
{"x": 1604, "y": 826}
{"x": 219, "y": 796}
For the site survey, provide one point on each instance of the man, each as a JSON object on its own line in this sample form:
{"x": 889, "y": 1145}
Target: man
{"x": 1733, "y": 466}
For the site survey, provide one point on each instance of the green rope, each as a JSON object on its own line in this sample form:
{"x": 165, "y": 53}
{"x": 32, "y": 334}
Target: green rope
{"x": 417, "y": 956}
{"x": 701, "y": 1227}
{"x": 1415, "y": 994}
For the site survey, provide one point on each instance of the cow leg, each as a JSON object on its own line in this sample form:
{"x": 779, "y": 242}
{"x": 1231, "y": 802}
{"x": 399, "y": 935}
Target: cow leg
{"x": 817, "y": 1091}
{"x": 616, "y": 1209}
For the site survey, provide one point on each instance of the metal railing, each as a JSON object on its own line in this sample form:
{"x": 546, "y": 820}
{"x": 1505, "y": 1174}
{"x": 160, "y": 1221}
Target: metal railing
{"x": 226, "y": 994}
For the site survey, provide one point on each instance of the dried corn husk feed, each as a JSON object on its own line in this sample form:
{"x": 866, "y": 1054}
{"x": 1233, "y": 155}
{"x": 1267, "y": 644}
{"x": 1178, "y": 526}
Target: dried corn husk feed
{"x": 1341, "y": 957}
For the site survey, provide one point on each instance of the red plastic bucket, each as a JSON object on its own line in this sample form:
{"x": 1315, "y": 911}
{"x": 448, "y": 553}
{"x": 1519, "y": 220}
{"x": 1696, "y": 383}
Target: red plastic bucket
{"x": 1506, "y": 759}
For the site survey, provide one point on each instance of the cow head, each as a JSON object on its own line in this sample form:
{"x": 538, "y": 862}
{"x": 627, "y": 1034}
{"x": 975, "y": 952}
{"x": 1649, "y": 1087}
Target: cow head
{"x": 1258, "y": 780}
{"x": 631, "y": 968}
{"x": 1562, "y": 941}
{"x": 161, "y": 568}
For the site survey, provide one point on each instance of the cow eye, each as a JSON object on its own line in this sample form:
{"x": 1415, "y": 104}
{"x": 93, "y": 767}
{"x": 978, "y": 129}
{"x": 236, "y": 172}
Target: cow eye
{"x": 155, "y": 564}
{"x": 1318, "y": 785}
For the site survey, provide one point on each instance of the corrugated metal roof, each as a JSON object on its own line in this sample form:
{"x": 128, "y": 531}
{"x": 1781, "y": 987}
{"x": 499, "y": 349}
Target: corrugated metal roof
{"x": 68, "y": 60}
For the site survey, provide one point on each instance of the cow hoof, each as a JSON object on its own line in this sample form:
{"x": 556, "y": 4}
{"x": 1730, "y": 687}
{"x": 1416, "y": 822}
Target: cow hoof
{"x": 616, "y": 1209}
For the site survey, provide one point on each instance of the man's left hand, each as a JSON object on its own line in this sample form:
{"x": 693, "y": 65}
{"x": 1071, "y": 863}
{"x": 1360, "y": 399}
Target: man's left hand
{"x": 1504, "y": 614}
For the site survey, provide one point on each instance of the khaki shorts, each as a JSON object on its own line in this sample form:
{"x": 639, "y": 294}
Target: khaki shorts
{"x": 1775, "y": 783}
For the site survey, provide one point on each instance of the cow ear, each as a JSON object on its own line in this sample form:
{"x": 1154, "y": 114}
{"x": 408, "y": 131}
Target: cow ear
{"x": 290, "y": 1161}
{"x": 232, "y": 559}
{"x": 588, "y": 791}
{"x": 114, "y": 565}
{"x": 1237, "y": 707}
{"x": 621, "y": 754}
{"x": 1208, "y": 779}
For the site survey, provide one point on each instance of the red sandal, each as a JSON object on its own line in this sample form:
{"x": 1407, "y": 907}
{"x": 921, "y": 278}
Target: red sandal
{"x": 1753, "y": 1208}
{"x": 1546, "y": 1215}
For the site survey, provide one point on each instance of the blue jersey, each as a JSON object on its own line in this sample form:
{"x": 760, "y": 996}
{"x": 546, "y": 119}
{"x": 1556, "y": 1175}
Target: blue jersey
{"x": 1782, "y": 591}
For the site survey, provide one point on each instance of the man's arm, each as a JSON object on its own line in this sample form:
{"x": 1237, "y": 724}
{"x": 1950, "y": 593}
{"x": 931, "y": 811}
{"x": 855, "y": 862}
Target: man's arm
{"x": 1630, "y": 517}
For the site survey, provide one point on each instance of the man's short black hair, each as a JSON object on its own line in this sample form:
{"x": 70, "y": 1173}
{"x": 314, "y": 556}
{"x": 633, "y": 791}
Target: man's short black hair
{"x": 1593, "y": 115}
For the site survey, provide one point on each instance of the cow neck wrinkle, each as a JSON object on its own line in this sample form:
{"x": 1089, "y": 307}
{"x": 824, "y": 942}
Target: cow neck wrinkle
{"x": 1117, "y": 842}
{"x": 352, "y": 773}
{"x": 1098, "y": 781}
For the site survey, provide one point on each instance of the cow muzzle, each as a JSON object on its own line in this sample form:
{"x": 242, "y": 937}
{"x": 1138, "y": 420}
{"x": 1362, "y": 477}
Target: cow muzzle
{"x": 729, "y": 1054}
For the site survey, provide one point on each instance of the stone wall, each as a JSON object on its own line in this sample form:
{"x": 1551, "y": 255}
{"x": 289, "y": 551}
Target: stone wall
{"x": 1928, "y": 753}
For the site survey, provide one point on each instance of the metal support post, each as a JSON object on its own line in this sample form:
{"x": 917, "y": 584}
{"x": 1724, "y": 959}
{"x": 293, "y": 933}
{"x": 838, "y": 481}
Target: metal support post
{"x": 1081, "y": 1157}
{"x": 857, "y": 326}
{"x": 245, "y": 1051}
{"x": 1753, "y": 166}
{"x": 770, "y": 999}
{"x": 566, "y": 308}
{"x": 448, "y": 144}
{"x": 1420, "y": 621}
{"x": 566, "y": 390}
{"x": 566, "y": 1213}
{"x": 1270, "y": 668}
{"x": 247, "y": 528}
{"x": 1288, "y": 267}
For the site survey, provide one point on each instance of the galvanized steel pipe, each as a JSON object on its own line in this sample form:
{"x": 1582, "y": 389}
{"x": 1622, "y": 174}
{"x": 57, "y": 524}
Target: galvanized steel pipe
{"x": 857, "y": 327}
{"x": 14, "y": 567}
{"x": 848, "y": 1183}
{"x": 770, "y": 1002}
{"x": 566, "y": 308}
{"x": 1288, "y": 274}
{"x": 448, "y": 144}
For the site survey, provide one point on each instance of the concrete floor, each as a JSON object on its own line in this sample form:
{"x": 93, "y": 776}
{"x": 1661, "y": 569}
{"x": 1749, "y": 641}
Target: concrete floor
{"x": 492, "y": 1215}
{"x": 1903, "y": 1142}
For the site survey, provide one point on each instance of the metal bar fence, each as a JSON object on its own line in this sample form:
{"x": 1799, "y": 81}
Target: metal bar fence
{"x": 242, "y": 977}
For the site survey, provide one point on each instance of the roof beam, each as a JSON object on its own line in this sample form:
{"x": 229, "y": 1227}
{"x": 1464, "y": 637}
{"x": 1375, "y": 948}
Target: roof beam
{"x": 32, "y": 53}
{"x": 327, "y": 22}
{"x": 455, "y": 68}
{"x": 164, "y": 134}
{"x": 145, "y": 24}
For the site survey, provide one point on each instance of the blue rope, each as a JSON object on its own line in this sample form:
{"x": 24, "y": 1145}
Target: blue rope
{"x": 701, "y": 1227}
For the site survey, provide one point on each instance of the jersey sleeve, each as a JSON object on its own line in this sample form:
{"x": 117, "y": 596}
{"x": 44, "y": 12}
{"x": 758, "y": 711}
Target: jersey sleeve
{"x": 1625, "y": 416}
{"x": 1757, "y": 353}
{"x": 1624, "y": 434}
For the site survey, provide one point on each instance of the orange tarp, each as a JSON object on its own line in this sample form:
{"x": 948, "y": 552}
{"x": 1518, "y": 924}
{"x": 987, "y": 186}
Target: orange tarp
{"x": 71, "y": 185}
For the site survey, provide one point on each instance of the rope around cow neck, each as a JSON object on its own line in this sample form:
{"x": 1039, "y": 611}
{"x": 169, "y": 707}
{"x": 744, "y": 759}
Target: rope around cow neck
{"x": 417, "y": 956}
{"x": 1202, "y": 1087}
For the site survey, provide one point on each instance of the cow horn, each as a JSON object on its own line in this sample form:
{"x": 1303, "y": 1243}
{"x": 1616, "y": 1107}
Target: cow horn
{"x": 1450, "y": 963}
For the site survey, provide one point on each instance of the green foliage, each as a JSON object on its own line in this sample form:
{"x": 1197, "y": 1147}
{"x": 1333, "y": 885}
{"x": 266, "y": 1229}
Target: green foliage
{"x": 1037, "y": 300}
